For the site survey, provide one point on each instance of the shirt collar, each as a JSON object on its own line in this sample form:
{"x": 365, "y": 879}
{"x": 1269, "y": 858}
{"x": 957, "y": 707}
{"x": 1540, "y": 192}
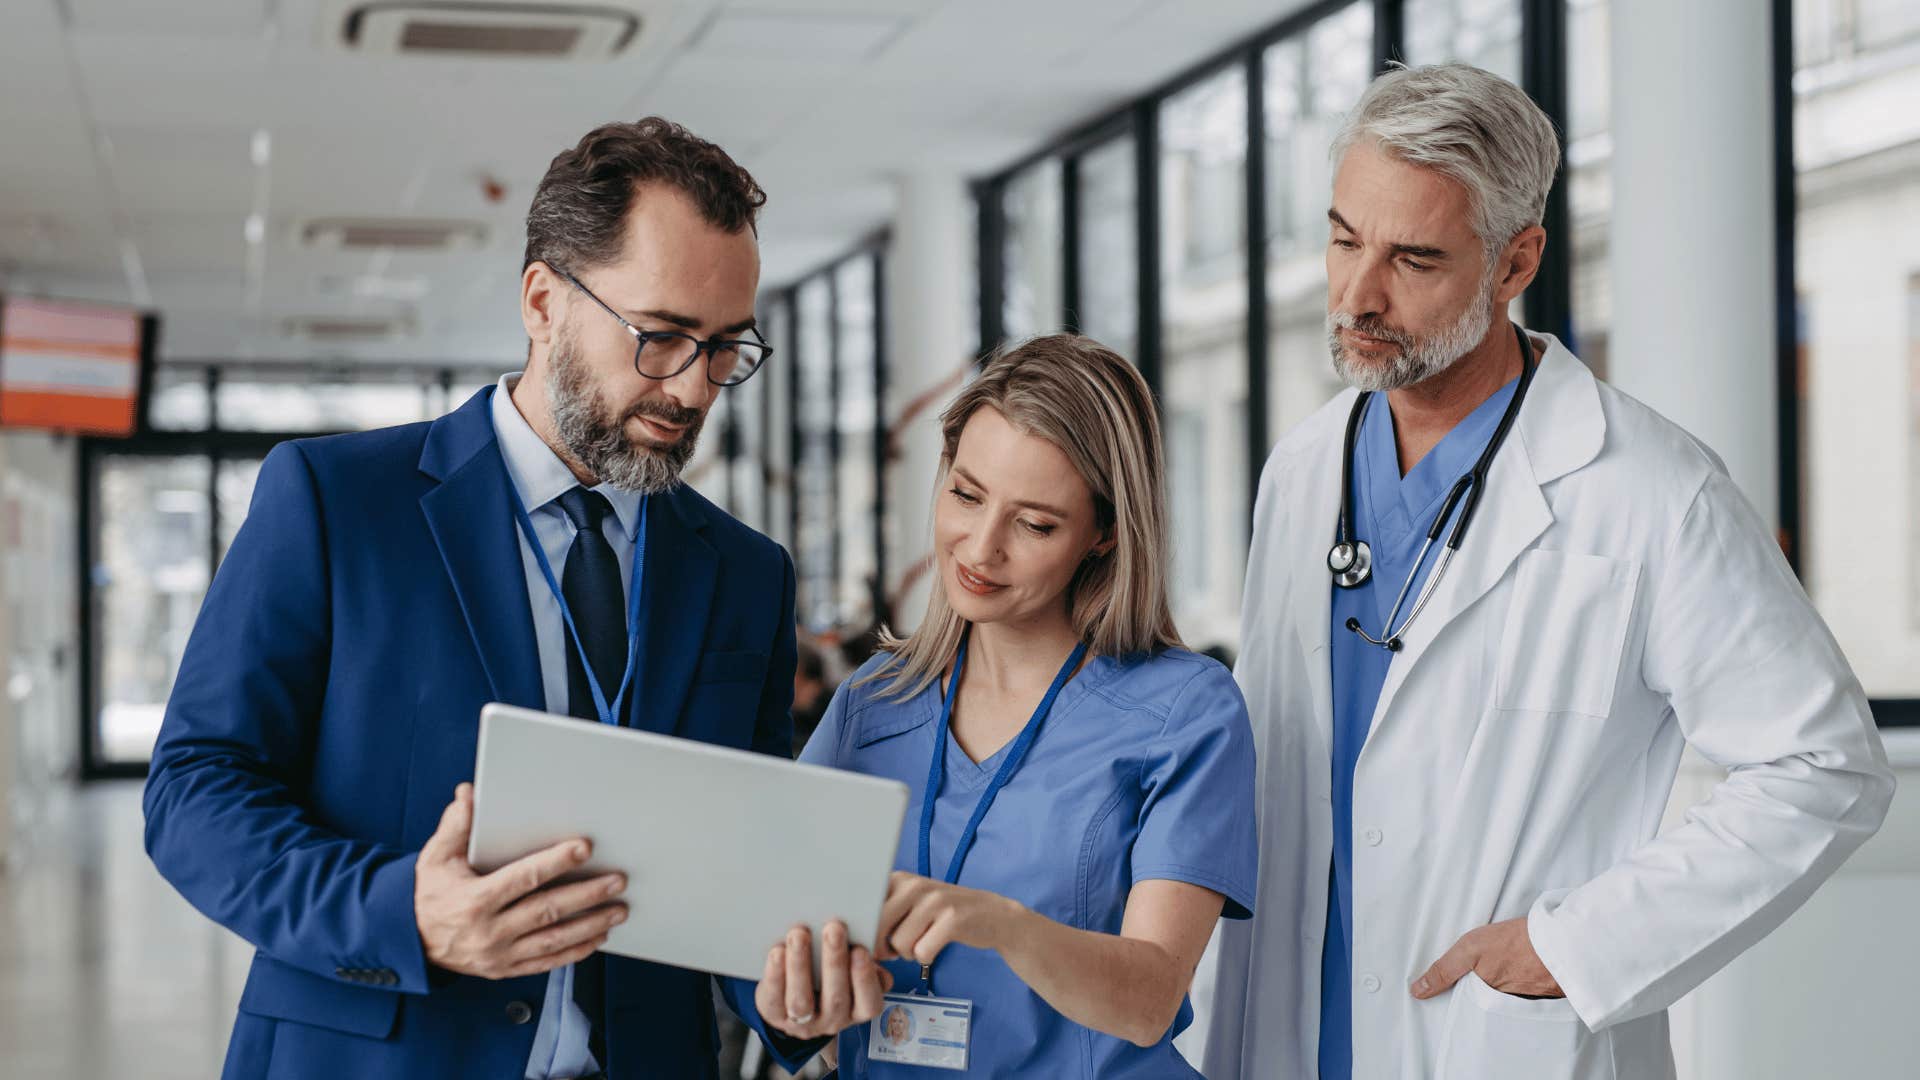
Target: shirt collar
{"x": 539, "y": 476}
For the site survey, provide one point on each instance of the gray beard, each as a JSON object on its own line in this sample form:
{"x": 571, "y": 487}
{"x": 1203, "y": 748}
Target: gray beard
{"x": 1419, "y": 358}
{"x": 598, "y": 441}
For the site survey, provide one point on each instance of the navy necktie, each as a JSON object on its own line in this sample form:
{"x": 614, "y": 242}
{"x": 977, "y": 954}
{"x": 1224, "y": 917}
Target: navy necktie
{"x": 591, "y": 584}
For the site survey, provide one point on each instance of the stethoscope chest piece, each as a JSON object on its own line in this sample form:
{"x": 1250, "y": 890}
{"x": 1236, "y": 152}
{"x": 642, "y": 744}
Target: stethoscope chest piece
{"x": 1351, "y": 563}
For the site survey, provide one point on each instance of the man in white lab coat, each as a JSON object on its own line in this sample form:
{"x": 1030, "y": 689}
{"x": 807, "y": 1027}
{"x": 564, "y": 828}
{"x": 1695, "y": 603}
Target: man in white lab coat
{"x": 1460, "y": 873}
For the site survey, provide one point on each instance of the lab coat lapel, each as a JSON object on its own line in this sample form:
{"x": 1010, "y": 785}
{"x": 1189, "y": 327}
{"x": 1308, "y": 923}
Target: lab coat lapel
{"x": 1305, "y": 549}
{"x": 682, "y": 569}
{"x": 1560, "y": 428}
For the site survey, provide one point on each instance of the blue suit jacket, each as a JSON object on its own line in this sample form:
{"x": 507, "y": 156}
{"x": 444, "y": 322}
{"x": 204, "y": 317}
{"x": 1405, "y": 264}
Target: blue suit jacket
{"x": 328, "y": 703}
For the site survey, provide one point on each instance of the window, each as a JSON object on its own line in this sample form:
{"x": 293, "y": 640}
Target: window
{"x": 858, "y": 421}
{"x": 1203, "y": 384}
{"x": 259, "y": 404}
{"x": 813, "y": 480}
{"x": 1033, "y": 301}
{"x": 776, "y": 382}
{"x": 1588, "y": 185}
{"x": 1484, "y": 33}
{"x": 1109, "y": 252}
{"x": 1859, "y": 320}
{"x": 151, "y": 569}
{"x": 179, "y": 400}
{"x": 1311, "y": 82}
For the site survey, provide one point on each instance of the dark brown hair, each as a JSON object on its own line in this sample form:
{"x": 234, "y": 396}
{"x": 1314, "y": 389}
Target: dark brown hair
{"x": 580, "y": 209}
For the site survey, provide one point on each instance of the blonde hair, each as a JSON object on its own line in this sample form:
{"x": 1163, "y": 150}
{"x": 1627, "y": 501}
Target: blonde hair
{"x": 1085, "y": 399}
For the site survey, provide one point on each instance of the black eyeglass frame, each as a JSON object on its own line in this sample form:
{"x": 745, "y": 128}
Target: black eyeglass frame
{"x": 710, "y": 346}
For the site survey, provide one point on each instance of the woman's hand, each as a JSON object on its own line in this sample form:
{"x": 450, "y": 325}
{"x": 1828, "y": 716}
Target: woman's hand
{"x": 923, "y": 916}
{"x": 851, "y": 985}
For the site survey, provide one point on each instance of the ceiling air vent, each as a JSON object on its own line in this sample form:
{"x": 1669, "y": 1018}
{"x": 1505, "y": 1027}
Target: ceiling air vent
{"x": 340, "y": 330}
{"x": 525, "y": 31}
{"x": 405, "y": 234}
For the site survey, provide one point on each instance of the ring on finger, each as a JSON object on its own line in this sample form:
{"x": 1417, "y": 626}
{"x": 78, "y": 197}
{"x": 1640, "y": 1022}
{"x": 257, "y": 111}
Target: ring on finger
{"x": 800, "y": 1021}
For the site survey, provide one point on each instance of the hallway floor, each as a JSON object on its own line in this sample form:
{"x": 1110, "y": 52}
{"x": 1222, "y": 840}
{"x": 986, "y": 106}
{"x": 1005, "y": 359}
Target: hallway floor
{"x": 104, "y": 970}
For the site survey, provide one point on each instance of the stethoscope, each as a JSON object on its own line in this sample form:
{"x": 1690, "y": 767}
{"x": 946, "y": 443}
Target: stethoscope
{"x": 1351, "y": 560}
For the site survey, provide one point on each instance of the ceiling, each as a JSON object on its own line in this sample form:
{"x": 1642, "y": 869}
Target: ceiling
{"x": 169, "y": 155}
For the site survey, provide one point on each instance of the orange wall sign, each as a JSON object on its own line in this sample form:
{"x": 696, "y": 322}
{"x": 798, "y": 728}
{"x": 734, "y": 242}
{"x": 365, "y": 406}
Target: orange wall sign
{"x": 68, "y": 366}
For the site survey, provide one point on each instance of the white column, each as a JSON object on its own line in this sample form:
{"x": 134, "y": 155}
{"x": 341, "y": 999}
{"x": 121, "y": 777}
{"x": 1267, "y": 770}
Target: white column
{"x": 1691, "y": 237}
{"x": 931, "y": 331}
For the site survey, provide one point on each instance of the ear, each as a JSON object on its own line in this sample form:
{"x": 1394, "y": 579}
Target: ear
{"x": 540, "y": 290}
{"x": 1106, "y": 545}
{"x": 1519, "y": 262}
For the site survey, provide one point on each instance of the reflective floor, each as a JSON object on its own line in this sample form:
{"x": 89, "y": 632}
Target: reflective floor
{"x": 104, "y": 970}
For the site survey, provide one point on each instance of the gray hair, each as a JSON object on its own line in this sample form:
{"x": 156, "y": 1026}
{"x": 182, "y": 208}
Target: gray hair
{"x": 1473, "y": 126}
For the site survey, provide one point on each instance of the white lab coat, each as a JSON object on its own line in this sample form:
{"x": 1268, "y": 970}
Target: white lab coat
{"x": 1615, "y": 599}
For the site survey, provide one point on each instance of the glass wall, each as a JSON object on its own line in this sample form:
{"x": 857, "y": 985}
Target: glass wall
{"x": 1589, "y": 184}
{"x": 1203, "y": 357}
{"x": 813, "y": 478}
{"x": 1033, "y": 283}
{"x": 1484, "y": 33}
{"x": 777, "y": 383}
{"x": 150, "y": 572}
{"x": 1857, "y": 157}
{"x": 1109, "y": 253}
{"x": 857, "y": 414}
{"x": 1311, "y": 82}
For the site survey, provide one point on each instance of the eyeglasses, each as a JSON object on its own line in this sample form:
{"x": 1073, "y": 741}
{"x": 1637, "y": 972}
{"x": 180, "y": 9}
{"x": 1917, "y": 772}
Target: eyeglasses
{"x": 662, "y": 354}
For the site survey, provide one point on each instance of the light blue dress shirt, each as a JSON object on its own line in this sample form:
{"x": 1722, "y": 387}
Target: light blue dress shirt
{"x": 539, "y": 477}
{"x": 1143, "y": 770}
{"x": 1392, "y": 514}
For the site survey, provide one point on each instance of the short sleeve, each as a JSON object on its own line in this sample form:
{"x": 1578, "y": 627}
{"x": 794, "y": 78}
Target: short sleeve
{"x": 827, "y": 745}
{"x": 1197, "y": 819}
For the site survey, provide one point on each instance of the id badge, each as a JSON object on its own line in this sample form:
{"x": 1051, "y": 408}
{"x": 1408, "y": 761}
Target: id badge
{"x": 914, "y": 1029}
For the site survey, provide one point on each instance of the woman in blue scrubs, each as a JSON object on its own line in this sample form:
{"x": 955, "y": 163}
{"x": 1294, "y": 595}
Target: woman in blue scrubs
{"x": 1082, "y": 785}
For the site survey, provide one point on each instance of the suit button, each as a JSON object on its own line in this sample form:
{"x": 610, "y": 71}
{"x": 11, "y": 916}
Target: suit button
{"x": 519, "y": 1012}
{"x": 342, "y": 973}
{"x": 388, "y": 977}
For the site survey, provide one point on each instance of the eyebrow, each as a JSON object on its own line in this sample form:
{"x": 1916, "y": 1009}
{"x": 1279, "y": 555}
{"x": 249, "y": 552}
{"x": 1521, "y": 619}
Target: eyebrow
{"x": 688, "y": 322}
{"x": 1418, "y": 251}
{"x": 1040, "y": 506}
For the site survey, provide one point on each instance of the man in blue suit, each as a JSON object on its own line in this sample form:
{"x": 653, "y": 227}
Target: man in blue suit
{"x": 388, "y": 584}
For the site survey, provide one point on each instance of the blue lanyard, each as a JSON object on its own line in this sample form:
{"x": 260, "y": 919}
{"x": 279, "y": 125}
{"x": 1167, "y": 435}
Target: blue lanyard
{"x": 609, "y": 711}
{"x": 937, "y": 772}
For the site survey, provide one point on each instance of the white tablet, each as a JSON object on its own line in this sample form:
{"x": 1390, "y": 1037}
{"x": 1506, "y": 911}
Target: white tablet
{"x": 724, "y": 850}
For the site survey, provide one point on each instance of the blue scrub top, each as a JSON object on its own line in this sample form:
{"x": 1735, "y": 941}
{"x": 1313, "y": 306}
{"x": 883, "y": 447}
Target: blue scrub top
{"x": 1143, "y": 770}
{"x": 1392, "y": 514}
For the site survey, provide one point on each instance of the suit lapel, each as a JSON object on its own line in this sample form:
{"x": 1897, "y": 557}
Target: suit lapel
{"x": 470, "y": 514}
{"x": 679, "y": 577}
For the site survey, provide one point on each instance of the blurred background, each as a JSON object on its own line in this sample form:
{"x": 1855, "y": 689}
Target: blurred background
{"x": 225, "y": 223}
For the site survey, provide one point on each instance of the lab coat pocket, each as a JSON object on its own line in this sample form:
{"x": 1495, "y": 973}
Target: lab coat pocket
{"x": 1566, "y": 629}
{"x": 1496, "y": 1036}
